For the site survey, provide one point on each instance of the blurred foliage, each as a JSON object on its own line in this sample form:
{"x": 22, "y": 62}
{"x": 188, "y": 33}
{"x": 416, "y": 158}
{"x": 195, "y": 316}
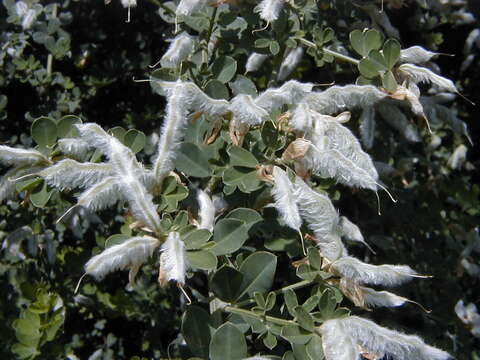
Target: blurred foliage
{"x": 81, "y": 58}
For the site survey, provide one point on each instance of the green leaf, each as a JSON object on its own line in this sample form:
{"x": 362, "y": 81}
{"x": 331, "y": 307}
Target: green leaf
{"x": 296, "y": 335}
{"x": 365, "y": 41}
{"x": 258, "y": 272}
{"x": 306, "y": 272}
{"x": 391, "y": 52}
{"x": 274, "y": 47}
{"x": 241, "y": 157}
{"x": 270, "y": 340}
{"x": 27, "y": 329}
{"x": 196, "y": 325}
{"x": 202, "y": 259}
{"x": 217, "y": 90}
{"x": 195, "y": 239}
{"x": 288, "y": 356}
{"x": 243, "y": 178}
{"x": 290, "y": 300}
{"x": 327, "y": 305}
{"x": 367, "y": 68}
{"x": 270, "y": 136}
{"x": 40, "y": 196}
{"x": 315, "y": 349}
{"x": 270, "y": 302}
{"x": 180, "y": 220}
{"x": 192, "y": 161}
{"x": 243, "y": 85}
{"x": 224, "y": 69}
{"x": 135, "y": 140}
{"x": 304, "y": 318}
{"x": 225, "y": 283}
{"x": 249, "y": 216}
{"x": 44, "y": 132}
{"x": 300, "y": 352}
{"x": 374, "y": 65}
{"x": 259, "y": 299}
{"x": 119, "y": 132}
{"x": 66, "y": 128}
{"x": 24, "y": 351}
{"x": 116, "y": 239}
{"x": 173, "y": 193}
{"x": 229, "y": 235}
{"x": 314, "y": 258}
{"x": 389, "y": 82}
{"x": 228, "y": 343}
{"x": 311, "y": 302}
{"x": 262, "y": 43}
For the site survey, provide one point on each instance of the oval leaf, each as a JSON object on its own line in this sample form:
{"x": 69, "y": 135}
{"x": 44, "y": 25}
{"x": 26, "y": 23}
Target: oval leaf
{"x": 44, "y": 132}
{"x": 224, "y": 69}
{"x": 196, "y": 325}
{"x": 135, "y": 140}
{"x": 258, "y": 272}
{"x": 229, "y": 235}
{"x": 192, "y": 161}
{"x": 228, "y": 343}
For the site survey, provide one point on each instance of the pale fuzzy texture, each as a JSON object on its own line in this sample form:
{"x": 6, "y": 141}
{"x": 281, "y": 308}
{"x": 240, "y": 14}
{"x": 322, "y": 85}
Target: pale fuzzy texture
{"x": 20, "y": 8}
{"x": 8, "y": 183}
{"x": 337, "y": 343}
{"x": 245, "y": 110}
{"x": 367, "y": 126}
{"x": 458, "y": 157}
{"x": 29, "y": 18}
{"x": 101, "y": 195}
{"x": 141, "y": 203}
{"x": 188, "y": 7}
{"x": 285, "y": 200}
{"x": 382, "y": 298}
{"x": 270, "y": 9}
{"x": 469, "y": 316}
{"x": 74, "y": 147}
{"x": 292, "y": 92}
{"x": 16, "y": 156}
{"x": 172, "y": 131}
{"x": 129, "y": 3}
{"x": 350, "y": 230}
{"x": 180, "y": 48}
{"x": 131, "y": 253}
{"x": 340, "y": 98}
{"x": 337, "y": 153}
{"x": 193, "y": 98}
{"x": 173, "y": 261}
{"x": 318, "y": 212}
{"x": 363, "y": 273}
{"x": 69, "y": 173}
{"x": 290, "y": 62}
{"x": 303, "y": 118}
{"x": 94, "y": 135}
{"x": 206, "y": 211}
{"x": 420, "y": 74}
{"x": 255, "y": 61}
{"x": 416, "y": 55}
{"x": 121, "y": 157}
{"x": 342, "y": 337}
{"x": 397, "y": 120}
{"x": 412, "y": 95}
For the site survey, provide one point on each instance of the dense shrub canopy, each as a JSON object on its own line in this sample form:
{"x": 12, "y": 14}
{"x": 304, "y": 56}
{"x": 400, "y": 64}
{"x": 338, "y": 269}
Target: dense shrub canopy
{"x": 236, "y": 195}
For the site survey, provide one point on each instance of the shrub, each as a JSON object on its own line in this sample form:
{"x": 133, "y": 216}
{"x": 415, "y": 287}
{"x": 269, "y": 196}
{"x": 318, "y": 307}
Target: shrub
{"x": 241, "y": 204}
